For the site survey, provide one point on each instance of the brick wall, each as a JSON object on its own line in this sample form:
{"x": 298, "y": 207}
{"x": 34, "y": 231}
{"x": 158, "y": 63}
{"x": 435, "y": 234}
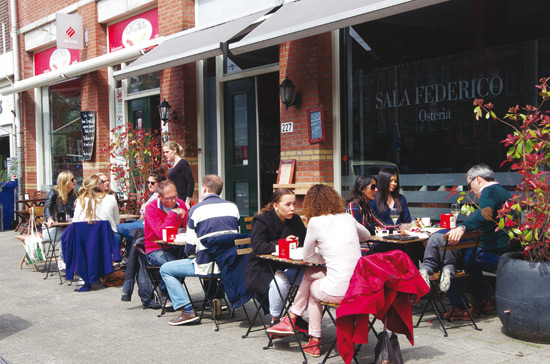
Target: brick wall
{"x": 308, "y": 63}
{"x": 178, "y": 84}
{"x": 5, "y": 19}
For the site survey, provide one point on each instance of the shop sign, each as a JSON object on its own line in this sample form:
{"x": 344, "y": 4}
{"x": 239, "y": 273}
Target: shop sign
{"x": 69, "y": 31}
{"x": 134, "y": 31}
{"x": 88, "y": 134}
{"x": 119, "y": 114}
{"x": 54, "y": 59}
{"x": 6, "y": 107}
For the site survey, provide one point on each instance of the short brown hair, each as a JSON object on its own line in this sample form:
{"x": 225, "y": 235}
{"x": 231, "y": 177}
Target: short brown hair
{"x": 323, "y": 200}
{"x": 213, "y": 184}
{"x": 164, "y": 184}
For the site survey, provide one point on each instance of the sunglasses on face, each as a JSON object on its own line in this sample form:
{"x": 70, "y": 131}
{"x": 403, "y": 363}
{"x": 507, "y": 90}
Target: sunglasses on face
{"x": 372, "y": 187}
{"x": 73, "y": 179}
{"x": 105, "y": 181}
{"x": 152, "y": 183}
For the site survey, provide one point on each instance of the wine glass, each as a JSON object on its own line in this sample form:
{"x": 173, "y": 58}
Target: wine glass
{"x": 455, "y": 210}
{"x": 394, "y": 215}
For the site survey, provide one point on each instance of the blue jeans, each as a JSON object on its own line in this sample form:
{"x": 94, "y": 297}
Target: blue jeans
{"x": 157, "y": 258}
{"x": 125, "y": 229}
{"x": 283, "y": 282}
{"x": 171, "y": 272}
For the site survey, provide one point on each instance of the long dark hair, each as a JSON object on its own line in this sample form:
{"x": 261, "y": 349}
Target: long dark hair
{"x": 357, "y": 191}
{"x": 384, "y": 178}
{"x": 276, "y": 198}
{"x": 158, "y": 174}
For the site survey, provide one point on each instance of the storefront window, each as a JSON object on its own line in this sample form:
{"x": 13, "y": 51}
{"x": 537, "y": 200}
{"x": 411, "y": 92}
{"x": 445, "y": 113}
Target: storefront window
{"x": 145, "y": 82}
{"x": 66, "y": 130}
{"x": 408, "y": 93}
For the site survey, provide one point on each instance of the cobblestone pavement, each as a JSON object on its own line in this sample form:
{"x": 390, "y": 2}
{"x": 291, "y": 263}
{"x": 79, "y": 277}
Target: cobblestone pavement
{"x": 42, "y": 321}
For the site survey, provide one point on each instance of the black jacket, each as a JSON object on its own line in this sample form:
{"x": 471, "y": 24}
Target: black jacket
{"x": 52, "y": 206}
{"x": 267, "y": 229}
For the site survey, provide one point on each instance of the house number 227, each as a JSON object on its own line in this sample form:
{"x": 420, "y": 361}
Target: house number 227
{"x": 287, "y": 127}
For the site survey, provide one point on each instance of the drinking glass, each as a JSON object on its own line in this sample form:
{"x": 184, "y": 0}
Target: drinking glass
{"x": 394, "y": 215}
{"x": 455, "y": 210}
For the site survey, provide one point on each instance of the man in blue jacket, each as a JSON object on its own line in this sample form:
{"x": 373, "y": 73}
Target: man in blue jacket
{"x": 211, "y": 217}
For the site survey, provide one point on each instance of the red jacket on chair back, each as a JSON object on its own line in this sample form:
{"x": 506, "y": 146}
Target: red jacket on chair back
{"x": 380, "y": 285}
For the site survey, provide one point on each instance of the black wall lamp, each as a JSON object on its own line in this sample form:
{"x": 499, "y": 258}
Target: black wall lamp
{"x": 165, "y": 112}
{"x": 289, "y": 96}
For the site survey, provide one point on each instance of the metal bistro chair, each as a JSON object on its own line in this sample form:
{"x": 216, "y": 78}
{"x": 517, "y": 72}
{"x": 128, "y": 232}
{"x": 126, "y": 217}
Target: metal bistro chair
{"x": 218, "y": 244}
{"x": 468, "y": 240}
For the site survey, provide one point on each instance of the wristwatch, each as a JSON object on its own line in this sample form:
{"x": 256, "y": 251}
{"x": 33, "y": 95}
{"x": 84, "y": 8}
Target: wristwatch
{"x": 462, "y": 227}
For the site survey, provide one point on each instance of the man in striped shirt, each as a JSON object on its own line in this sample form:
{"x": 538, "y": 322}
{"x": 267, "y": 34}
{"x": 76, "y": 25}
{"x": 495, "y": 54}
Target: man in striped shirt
{"x": 213, "y": 216}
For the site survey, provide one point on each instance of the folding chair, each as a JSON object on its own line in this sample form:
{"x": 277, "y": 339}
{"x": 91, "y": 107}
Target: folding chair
{"x": 468, "y": 240}
{"x": 239, "y": 241}
{"x": 327, "y": 307}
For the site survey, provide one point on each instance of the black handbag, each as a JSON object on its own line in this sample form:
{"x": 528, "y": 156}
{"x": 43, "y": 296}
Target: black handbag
{"x": 387, "y": 349}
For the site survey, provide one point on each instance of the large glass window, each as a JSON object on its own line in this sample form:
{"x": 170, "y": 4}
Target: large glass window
{"x": 409, "y": 82}
{"x": 66, "y": 129}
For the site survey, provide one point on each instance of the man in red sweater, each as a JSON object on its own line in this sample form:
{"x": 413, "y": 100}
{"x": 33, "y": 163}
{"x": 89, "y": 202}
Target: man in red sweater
{"x": 167, "y": 210}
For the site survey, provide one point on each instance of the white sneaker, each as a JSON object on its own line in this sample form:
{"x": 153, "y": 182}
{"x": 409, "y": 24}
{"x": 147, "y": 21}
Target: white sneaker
{"x": 445, "y": 282}
{"x": 425, "y": 276}
{"x": 61, "y": 265}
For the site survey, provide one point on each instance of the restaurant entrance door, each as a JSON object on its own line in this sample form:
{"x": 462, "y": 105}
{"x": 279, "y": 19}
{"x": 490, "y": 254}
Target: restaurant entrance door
{"x": 241, "y": 145}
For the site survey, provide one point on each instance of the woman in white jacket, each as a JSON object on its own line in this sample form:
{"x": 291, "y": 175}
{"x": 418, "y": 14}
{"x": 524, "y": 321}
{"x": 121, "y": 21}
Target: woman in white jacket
{"x": 95, "y": 205}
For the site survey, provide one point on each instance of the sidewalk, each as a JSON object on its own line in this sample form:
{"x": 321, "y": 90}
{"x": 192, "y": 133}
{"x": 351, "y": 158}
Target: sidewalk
{"x": 42, "y": 321}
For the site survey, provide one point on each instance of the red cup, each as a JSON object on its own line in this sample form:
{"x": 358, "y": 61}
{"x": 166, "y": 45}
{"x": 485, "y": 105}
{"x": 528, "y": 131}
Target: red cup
{"x": 285, "y": 246}
{"x": 447, "y": 221}
{"x": 169, "y": 234}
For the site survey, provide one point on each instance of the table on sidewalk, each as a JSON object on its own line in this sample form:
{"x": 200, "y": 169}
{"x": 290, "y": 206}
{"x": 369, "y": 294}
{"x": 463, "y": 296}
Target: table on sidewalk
{"x": 51, "y": 255}
{"x": 278, "y": 263}
{"x": 124, "y": 217}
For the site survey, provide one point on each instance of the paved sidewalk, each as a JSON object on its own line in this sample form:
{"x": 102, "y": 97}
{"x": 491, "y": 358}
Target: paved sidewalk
{"x": 42, "y": 321}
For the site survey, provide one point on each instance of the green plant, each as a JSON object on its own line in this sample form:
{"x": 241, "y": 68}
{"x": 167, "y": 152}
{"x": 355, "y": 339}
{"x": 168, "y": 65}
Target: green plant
{"x": 135, "y": 153}
{"x": 4, "y": 177}
{"x": 526, "y": 217}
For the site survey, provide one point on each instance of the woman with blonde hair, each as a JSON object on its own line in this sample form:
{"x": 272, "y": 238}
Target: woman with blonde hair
{"x": 60, "y": 200}
{"x": 94, "y": 205}
{"x": 180, "y": 172}
{"x": 337, "y": 235}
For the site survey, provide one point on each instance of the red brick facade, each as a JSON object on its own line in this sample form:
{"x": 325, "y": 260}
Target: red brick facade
{"x": 308, "y": 63}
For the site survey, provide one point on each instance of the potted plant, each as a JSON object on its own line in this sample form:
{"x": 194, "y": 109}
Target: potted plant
{"x": 523, "y": 278}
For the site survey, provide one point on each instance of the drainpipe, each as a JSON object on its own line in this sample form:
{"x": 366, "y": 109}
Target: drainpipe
{"x": 14, "y": 34}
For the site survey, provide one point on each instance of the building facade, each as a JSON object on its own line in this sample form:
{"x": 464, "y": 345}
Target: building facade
{"x": 381, "y": 83}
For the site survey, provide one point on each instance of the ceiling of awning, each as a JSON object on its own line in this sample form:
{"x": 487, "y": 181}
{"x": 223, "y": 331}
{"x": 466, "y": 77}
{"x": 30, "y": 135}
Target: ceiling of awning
{"x": 304, "y": 18}
{"x": 188, "y": 46}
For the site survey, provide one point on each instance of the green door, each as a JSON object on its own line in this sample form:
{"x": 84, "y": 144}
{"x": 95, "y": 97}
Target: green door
{"x": 241, "y": 151}
{"x": 143, "y": 113}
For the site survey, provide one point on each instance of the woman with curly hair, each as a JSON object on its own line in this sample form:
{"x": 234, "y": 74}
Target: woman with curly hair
{"x": 94, "y": 205}
{"x": 153, "y": 181}
{"x": 336, "y": 234}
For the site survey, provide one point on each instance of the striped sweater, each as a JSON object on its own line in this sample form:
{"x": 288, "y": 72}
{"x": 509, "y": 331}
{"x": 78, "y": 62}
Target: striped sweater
{"x": 213, "y": 216}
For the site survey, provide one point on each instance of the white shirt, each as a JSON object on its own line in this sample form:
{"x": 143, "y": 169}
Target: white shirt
{"x": 107, "y": 209}
{"x": 337, "y": 237}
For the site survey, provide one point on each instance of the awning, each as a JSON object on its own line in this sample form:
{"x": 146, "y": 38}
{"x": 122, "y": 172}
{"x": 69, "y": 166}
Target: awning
{"x": 188, "y": 46}
{"x": 304, "y": 18}
{"x": 80, "y": 68}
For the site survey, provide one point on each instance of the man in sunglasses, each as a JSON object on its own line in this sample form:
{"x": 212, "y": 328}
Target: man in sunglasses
{"x": 492, "y": 196}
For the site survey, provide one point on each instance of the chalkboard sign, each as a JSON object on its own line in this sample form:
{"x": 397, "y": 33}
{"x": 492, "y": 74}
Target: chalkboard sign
{"x": 88, "y": 134}
{"x": 316, "y": 128}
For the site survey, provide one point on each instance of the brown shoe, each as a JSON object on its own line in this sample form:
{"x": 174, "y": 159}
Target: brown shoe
{"x": 456, "y": 314}
{"x": 484, "y": 306}
{"x": 184, "y": 318}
